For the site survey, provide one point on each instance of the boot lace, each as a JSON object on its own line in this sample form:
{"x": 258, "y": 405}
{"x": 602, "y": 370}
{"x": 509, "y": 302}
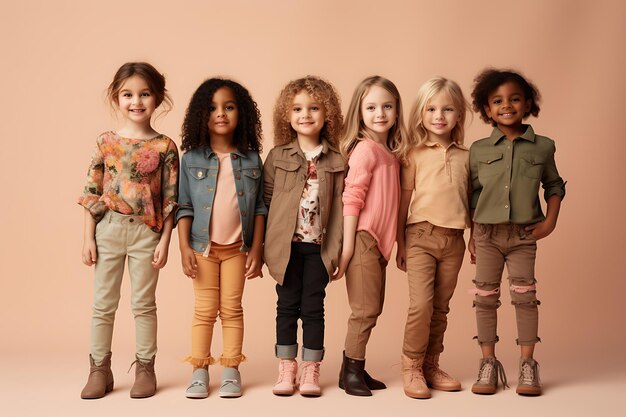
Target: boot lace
{"x": 286, "y": 370}
{"x": 310, "y": 373}
{"x": 490, "y": 371}
{"x": 529, "y": 374}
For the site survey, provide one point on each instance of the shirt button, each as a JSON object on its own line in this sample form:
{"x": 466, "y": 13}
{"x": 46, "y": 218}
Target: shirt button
{"x": 508, "y": 166}
{"x": 506, "y": 206}
{"x": 131, "y": 220}
{"x": 200, "y": 173}
{"x": 240, "y": 193}
{"x": 508, "y": 146}
{"x": 238, "y": 177}
{"x": 322, "y": 179}
{"x": 324, "y": 230}
{"x": 234, "y": 156}
{"x": 506, "y": 187}
{"x": 243, "y": 213}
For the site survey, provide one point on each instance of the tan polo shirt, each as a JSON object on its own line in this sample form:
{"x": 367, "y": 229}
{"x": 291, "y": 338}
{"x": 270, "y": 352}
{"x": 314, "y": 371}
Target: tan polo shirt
{"x": 439, "y": 179}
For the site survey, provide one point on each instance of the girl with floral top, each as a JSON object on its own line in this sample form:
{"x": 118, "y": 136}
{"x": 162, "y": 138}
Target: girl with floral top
{"x": 221, "y": 220}
{"x": 304, "y": 175}
{"x": 129, "y": 201}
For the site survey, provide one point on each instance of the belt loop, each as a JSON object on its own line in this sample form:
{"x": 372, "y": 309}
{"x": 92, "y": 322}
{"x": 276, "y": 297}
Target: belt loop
{"x": 429, "y": 228}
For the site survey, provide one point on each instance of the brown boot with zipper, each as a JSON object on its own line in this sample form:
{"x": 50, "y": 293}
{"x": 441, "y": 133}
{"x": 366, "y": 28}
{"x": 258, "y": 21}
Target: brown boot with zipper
{"x": 100, "y": 380}
{"x": 145, "y": 379}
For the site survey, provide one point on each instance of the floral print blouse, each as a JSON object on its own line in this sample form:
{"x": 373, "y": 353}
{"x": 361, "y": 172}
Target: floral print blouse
{"x": 132, "y": 176}
{"x": 308, "y": 224}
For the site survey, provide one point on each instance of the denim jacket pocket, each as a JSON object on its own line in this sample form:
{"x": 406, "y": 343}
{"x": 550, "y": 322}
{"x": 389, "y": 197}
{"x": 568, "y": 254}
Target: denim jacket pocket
{"x": 286, "y": 175}
{"x": 251, "y": 178}
{"x": 198, "y": 173}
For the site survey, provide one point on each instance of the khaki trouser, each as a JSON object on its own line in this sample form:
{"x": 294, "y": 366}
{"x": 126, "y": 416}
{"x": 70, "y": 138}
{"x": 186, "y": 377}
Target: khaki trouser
{"x": 365, "y": 281}
{"x": 218, "y": 289}
{"x": 433, "y": 259}
{"x": 120, "y": 236}
{"x": 497, "y": 245}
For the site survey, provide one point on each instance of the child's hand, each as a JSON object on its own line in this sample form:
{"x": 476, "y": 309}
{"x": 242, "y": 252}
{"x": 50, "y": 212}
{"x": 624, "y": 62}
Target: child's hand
{"x": 344, "y": 260}
{"x": 90, "y": 253}
{"x": 188, "y": 259}
{"x": 401, "y": 258}
{"x": 160, "y": 255}
{"x": 254, "y": 262}
{"x": 471, "y": 248}
{"x": 541, "y": 229}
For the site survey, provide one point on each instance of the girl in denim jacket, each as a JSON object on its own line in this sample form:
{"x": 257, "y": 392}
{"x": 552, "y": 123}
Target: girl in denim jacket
{"x": 221, "y": 221}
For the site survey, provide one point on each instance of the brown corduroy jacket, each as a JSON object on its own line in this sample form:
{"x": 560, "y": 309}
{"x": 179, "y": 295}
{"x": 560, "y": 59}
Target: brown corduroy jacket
{"x": 285, "y": 172}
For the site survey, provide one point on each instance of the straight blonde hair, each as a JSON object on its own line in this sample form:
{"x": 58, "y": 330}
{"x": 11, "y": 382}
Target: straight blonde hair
{"x": 354, "y": 128}
{"x": 426, "y": 92}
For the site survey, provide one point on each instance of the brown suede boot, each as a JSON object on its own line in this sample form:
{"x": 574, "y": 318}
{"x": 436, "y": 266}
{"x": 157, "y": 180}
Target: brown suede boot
{"x": 145, "y": 379}
{"x": 100, "y": 379}
{"x": 436, "y": 378}
{"x": 414, "y": 383}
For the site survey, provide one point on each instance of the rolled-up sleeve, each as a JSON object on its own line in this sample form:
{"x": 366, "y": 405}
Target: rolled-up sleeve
{"x": 551, "y": 181}
{"x": 185, "y": 207}
{"x": 94, "y": 187}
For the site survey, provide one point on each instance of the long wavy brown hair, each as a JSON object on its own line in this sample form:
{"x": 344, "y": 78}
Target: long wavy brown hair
{"x": 320, "y": 90}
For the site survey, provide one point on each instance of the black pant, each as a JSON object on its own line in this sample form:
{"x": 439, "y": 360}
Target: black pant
{"x": 302, "y": 297}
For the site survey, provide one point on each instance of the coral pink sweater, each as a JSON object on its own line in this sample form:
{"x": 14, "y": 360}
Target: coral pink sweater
{"x": 372, "y": 192}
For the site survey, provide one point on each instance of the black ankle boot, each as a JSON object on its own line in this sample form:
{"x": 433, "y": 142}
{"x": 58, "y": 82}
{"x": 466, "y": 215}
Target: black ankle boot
{"x": 372, "y": 383}
{"x": 352, "y": 377}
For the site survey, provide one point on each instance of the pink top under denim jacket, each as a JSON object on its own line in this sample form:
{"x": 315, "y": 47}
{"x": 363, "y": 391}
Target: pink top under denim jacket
{"x": 372, "y": 192}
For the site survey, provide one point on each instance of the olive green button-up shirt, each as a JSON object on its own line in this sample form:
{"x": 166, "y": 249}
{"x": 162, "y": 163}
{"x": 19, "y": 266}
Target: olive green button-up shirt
{"x": 506, "y": 176}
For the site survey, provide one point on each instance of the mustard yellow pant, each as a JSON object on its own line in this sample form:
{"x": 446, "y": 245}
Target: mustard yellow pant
{"x": 218, "y": 289}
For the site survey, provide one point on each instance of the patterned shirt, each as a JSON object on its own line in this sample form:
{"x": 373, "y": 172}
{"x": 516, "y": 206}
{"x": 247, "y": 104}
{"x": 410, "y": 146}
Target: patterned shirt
{"x": 132, "y": 176}
{"x": 308, "y": 225}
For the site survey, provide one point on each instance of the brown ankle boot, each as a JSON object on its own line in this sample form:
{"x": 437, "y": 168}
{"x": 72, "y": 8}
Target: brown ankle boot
{"x": 100, "y": 379}
{"x": 414, "y": 382}
{"x": 436, "y": 378}
{"x": 145, "y": 379}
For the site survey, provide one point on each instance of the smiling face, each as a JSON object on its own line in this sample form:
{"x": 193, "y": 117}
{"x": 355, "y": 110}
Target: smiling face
{"x": 224, "y": 114}
{"x": 379, "y": 113}
{"x": 135, "y": 100}
{"x": 440, "y": 117}
{"x": 307, "y": 116}
{"x": 507, "y": 106}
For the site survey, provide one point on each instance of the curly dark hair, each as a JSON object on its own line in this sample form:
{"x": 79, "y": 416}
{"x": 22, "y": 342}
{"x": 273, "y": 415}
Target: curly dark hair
{"x": 248, "y": 135}
{"x": 488, "y": 81}
{"x": 322, "y": 91}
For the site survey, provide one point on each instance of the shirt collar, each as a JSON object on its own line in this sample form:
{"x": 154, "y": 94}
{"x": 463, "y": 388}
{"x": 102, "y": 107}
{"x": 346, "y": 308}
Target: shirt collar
{"x": 208, "y": 152}
{"x": 497, "y": 134}
{"x": 294, "y": 146}
{"x": 432, "y": 143}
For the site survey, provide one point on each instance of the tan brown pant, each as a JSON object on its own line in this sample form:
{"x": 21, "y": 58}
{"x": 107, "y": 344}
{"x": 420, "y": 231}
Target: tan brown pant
{"x": 365, "y": 281}
{"x": 218, "y": 289}
{"x": 497, "y": 245}
{"x": 433, "y": 259}
{"x": 119, "y": 237}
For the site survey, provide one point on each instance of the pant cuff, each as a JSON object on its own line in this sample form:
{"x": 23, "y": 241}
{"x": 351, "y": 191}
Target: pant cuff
{"x": 528, "y": 342}
{"x": 487, "y": 342}
{"x": 199, "y": 363}
{"x": 231, "y": 362}
{"x": 312, "y": 355}
{"x": 286, "y": 351}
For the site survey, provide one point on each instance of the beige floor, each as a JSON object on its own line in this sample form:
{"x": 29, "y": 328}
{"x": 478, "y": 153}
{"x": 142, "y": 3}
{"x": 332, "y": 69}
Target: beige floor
{"x": 50, "y": 386}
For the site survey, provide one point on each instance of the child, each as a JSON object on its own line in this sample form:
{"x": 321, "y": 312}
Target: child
{"x": 506, "y": 170}
{"x": 304, "y": 175}
{"x": 129, "y": 198}
{"x": 374, "y": 137}
{"x": 437, "y": 177}
{"x": 221, "y": 219}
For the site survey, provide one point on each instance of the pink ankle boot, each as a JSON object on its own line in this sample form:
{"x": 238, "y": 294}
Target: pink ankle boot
{"x": 286, "y": 383}
{"x": 310, "y": 379}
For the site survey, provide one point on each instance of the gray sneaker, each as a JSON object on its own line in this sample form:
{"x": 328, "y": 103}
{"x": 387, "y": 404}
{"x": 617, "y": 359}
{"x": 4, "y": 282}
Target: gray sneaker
{"x": 231, "y": 383}
{"x": 199, "y": 387}
{"x": 529, "y": 382}
{"x": 490, "y": 369}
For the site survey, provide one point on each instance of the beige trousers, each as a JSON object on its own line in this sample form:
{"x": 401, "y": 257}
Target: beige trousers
{"x": 433, "y": 260}
{"x": 218, "y": 289}
{"x": 365, "y": 282}
{"x": 119, "y": 237}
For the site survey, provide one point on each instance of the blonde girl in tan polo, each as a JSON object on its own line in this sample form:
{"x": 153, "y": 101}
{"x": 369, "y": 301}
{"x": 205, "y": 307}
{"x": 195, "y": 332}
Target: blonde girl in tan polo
{"x": 304, "y": 175}
{"x": 435, "y": 185}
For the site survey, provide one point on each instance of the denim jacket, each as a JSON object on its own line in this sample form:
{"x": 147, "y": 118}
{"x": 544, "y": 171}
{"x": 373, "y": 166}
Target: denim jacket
{"x": 197, "y": 184}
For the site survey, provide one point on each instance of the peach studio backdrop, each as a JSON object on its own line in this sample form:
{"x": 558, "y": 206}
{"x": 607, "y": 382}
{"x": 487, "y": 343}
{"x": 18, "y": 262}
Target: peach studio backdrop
{"x": 59, "y": 56}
